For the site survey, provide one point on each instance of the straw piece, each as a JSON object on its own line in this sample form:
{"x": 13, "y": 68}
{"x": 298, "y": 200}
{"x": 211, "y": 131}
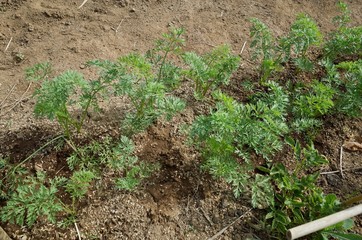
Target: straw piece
{"x": 341, "y": 162}
{"x": 78, "y": 233}
{"x": 7, "y": 46}
{"x": 242, "y": 49}
{"x": 82, "y": 4}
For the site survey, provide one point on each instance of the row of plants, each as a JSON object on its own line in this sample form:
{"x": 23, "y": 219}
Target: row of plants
{"x": 278, "y": 112}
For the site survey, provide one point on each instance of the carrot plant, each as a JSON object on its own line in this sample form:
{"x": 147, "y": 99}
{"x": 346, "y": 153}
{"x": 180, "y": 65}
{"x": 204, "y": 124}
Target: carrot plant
{"x": 316, "y": 101}
{"x": 304, "y": 33}
{"x": 349, "y": 101}
{"x": 273, "y": 53}
{"x": 264, "y": 49}
{"x": 32, "y": 199}
{"x": 147, "y": 80}
{"x": 345, "y": 40}
{"x": 57, "y": 96}
{"x": 297, "y": 198}
{"x": 211, "y": 70}
{"x": 116, "y": 155}
{"x": 233, "y": 131}
{"x": 170, "y": 43}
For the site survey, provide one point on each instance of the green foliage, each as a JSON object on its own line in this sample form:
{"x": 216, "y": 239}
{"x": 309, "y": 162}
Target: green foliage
{"x": 147, "y": 94}
{"x": 345, "y": 40}
{"x": 53, "y": 96}
{"x": 300, "y": 125}
{"x": 133, "y": 176}
{"x": 262, "y": 42}
{"x": 117, "y": 156}
{"x": 12, "y": 177}
{"x": 349, "y": 101}
{"x": 341, "y": 236}
{"x": 345, "y": 18}
{"x": 110, "y": 154}
{"x": 33, "y": 199}
{"x": 304, "y": 64}
{"x": 56, "y": 96}
{"x": 144, "y": 79}
{"x": 303, "y": 34}
{"x": 147, "y": 79}
{"x": 211, "y": 70}
{"x": 346, "y": 79}
{"x": 171, "y": 42}
{"x": 307, "y": 157}
{"x": 298, "y": 199}
{"x": 262, "y": 194}
{"x": 316, "y": 102}
{"x": 263, "y": 49}
{"x": 78, "y": 184}
{"x": 232, "y": 131}
{"x": 39, "y": 71}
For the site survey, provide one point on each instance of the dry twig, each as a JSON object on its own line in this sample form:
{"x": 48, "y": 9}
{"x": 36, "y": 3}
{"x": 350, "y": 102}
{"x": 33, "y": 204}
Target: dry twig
{"x": 218, "y": 234}
{"x": 353, "y": 146}
{"x": 17, "y": 102}
{"x": 11, "y": 90}
{"x": 119, "y": 25}
{"x": 344, "y": 170}
{"x": 206, "y": 216}
{"x": 76, "y": 227}
{"x": 7, "y": 46}
{"x": 242, "y": 49}
{"x": 84, "y": 2}
{"x": 341, "y": 162}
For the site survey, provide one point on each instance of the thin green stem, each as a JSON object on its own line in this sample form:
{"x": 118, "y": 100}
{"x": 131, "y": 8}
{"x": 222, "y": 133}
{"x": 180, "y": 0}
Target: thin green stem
{"x": 162, "y": 64}
{"x": 85, "y": 111}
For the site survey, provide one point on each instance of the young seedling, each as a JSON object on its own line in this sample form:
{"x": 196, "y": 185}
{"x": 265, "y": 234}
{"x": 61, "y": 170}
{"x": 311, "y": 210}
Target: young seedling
{"x": 263, "y": 49}
{"x": 32, "y": 199}
{"x": 345, "y": 41}
{"x": 211, "y": 70}
{"x": 57, "y": 96}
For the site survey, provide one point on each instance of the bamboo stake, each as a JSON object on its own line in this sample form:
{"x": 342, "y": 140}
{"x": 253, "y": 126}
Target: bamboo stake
{"x": 3, "y": 234}
{"x": 321, "y": 223}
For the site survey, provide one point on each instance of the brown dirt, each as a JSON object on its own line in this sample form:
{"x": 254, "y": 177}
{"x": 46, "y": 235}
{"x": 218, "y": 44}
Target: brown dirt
{"x": 181, "y": 201}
